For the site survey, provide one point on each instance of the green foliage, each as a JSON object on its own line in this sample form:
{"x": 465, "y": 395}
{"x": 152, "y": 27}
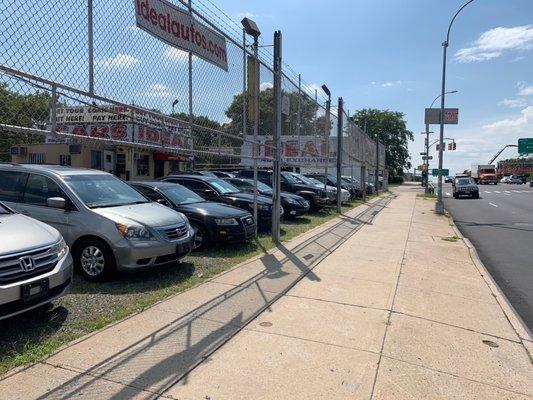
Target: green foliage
{"x": 391, "y": 128}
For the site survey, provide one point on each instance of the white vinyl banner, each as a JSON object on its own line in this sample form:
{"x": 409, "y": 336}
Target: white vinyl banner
{"x": 179, "y": 29}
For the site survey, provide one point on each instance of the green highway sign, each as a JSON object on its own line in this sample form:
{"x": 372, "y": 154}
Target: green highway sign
{"x": 435, "y": 172}
{"x": 525, "y": 146}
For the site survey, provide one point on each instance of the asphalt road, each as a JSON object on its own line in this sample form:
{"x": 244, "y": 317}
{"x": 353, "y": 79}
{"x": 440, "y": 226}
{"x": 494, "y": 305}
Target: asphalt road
{"x": 500, "y": 226}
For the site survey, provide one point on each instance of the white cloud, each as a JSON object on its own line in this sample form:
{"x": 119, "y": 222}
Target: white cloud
{"x": 494, "y": 42}
{"x": 519, "y": 58}
{"x": 177, "y": 55}
{"x": 524, "y": 89}
{"x": 120, "y": 60}
{"x": 519, "y": 124}
{"x": 513, "y": 103}
{"x": 265, "y": 85}
{"x": 391, "y": 84}
{"x": 158, "y": 90}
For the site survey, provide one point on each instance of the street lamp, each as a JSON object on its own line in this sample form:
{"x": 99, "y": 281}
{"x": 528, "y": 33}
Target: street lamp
{"x": 326, "y": 133}
{"x": 250, "y": 27}
{"x": 439, "y": 208}
{"x": 426, "y": 183}
{"x": 174, "y": 103}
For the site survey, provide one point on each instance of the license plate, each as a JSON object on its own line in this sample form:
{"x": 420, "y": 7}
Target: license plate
{"x": 250, "y": 229}
{"x": 35, "y": 290}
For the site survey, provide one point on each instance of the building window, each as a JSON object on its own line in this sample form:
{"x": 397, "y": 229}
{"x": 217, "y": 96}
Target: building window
{"x": 143, "y": 165}
{"x": 37, "y": 158}
{"x": 64, "y": 159}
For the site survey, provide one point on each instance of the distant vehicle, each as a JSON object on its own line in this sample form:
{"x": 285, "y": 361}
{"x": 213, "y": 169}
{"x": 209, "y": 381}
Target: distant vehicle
{"x": 448, "y": 179}
{"x": 216, "y": 189}
{"x": 331, "y": 192}
{"x": 357, "y": 183}
{"x": 522, "y": 177}
{"x": 35, "y": 264}
{"x": 514, "y": 180}
{"x": 505, "y": 179}
{"x": 531, "y": 183}
{"x": 194, "y": 172}
{"x": 465, "y": 187}
{"x": 347, "y": 189}
{"x": 107, "y": 223}
{"x": 484, "y": 174}
{"x": 214, "y": 222}
{"x": 460, "y": 175}
{"x": 289, "y": 183}
{"x": 293, "y": 204}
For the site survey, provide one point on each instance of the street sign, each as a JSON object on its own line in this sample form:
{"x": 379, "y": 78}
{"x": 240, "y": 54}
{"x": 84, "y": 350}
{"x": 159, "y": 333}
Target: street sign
{"x": 427, "y": 158}
{"x": 525, "y": 146}
{"x": 432, "y": 116}
{"x": 435, "y": 172}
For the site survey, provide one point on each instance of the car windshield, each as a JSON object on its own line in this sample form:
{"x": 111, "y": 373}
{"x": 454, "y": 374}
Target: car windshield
{"x": 464, "y": 181}
{"x": 290, "y": 177}
{"x": 180, "y": 195}
{"x": 303, "y": 179}
{"x": 101, "y": 190}
{"x": 223, "y": 187}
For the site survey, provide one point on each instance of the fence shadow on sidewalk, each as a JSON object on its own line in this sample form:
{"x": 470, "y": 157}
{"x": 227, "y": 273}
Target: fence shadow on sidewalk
{"x": 166, "y": 356}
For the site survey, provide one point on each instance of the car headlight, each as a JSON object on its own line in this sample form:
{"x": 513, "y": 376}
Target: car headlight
{"x": 293, "y": 202}
{"x": 60, "y": 248}
{"x": 226, "y": 221}
{"x": 134, "y": 232}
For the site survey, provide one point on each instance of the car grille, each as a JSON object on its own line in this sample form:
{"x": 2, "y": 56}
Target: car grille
{"x": 175, "y": 232}
{"x": 11, "y": 269}
{"x": 247, "y": 221}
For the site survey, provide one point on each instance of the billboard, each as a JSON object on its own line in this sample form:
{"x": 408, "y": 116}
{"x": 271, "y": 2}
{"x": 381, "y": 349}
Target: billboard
{"x": 432, "y": 116}
{"x": 123, "y": 124}
{"x": 179, "y": 29}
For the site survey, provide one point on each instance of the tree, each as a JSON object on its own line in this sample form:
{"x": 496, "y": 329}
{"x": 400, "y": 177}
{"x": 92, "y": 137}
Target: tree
{"x": 310, "y": 124}
{"x": 28, "y": 110}
{"x": 390, "y": 127}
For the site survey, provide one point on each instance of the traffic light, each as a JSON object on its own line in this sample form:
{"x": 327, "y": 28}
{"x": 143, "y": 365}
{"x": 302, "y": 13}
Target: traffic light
{"x": 450, "y": 146}
{"x": 437, "y": 147}
{"x": 454, "y": 146}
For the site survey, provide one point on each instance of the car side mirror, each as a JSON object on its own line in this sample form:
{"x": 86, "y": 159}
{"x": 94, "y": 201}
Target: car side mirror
{"x": 56, "y": 202}
{"x": 209, "y": 193}
{"x": 163, "y": 202}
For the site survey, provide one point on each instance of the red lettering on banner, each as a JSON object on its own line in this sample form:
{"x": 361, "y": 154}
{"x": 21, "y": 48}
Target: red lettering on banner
{"x": 268, "y": 148}
{"x": 153, "y": 16}
{"x": 291, "y": 148}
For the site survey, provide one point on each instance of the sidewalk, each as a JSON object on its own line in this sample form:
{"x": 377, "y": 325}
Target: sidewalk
{"x": 371, "y": 305}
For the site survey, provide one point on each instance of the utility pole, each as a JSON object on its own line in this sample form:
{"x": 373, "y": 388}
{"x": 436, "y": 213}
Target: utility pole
{"x": 376, "y": 178}
{"x": 339, "y": 152}
{"x": 276, "y": 202}
{"x": 426, "y": 183}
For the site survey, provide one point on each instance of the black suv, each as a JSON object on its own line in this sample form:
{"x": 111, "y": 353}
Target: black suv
{"x": 215, "y": 189}
{"x": 316, "y": 196}
{"x": 214, "y": 222}
{"x": 292, "y": 204}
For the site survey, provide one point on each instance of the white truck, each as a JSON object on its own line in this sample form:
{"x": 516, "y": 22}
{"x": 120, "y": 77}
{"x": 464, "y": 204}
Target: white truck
{"x": 484, "y": 174}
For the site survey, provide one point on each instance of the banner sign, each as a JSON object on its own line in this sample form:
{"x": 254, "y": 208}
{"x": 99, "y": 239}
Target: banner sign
{"x": 179, "y": 29}
{"x": 432, "y": 116}
{"x": 116, "y": 123}
{"x": 299, "y": 150}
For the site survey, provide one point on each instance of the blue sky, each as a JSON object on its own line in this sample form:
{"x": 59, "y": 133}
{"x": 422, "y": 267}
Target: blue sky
{"x": 387, "y": 54}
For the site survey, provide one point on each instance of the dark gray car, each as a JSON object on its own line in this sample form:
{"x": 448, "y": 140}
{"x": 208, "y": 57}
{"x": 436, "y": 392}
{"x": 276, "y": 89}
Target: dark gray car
{"x": 465, "y": 187}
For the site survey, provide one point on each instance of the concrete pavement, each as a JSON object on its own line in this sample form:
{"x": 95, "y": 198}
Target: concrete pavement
{"x": 382, "y": 304}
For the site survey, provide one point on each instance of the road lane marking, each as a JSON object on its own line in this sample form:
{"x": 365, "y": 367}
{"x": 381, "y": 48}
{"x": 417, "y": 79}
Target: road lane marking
{"x": 506, "y": 191}
{"x": 486, "y": 191}
{"x": 493, "y": 205}
{"x": 516, "y": 191}
{"x": 497, "y": 191}
{"x": 507, "y": 194}
{"x": 447, "y": 194}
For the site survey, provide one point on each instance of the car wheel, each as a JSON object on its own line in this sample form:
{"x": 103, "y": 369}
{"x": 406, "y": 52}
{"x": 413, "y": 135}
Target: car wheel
{"x": 94, "y": 260}
{"x": 201, "y": 239}
{"x": 454, "y": 196}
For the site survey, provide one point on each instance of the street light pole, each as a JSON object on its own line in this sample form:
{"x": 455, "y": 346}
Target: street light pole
{"x": 439, "y": 208}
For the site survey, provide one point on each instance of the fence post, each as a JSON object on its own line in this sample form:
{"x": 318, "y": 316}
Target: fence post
{"x": 191, "y": 119}
{"x": 53, "y": 113}
{"x": 363, "y": 180}
{"x": 326, "y": 134}
{"x": 340, "y": 115}
{"x": 276, "y": 204}
{"x": 255, "y": 147}
{"x": 376, "y": 173}
{"x": 90, "y": 43}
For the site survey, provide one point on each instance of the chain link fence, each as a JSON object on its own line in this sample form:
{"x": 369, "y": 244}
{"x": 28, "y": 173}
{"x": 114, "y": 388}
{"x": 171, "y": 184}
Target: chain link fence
{"x": 85, "y": 84}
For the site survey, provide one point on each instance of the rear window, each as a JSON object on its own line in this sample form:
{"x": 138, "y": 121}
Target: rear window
{"x": 11, "y": 185}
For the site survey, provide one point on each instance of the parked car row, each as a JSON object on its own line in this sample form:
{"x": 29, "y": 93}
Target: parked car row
{"x": 514, "y": 179}
{"x": 57, "y": 219}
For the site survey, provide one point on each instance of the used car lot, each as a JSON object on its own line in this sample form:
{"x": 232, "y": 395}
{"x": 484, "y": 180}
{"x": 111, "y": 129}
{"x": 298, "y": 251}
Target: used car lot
{"x": 102, "y": 199}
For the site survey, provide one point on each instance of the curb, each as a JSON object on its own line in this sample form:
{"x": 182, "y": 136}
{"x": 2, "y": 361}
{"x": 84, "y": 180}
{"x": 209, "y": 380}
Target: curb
{"x": 510, "y": 312}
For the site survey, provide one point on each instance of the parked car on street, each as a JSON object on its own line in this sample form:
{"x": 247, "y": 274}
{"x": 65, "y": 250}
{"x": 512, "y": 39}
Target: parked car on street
{"x": 215, "y": 189}
{"x": 315, "y": 196}
{"x": 514, "y": 180}
{"x": 293, "y": 204}
{"x": 35, "y": 263}
{"x": 465, "y": 187}
{"x": 214, "y": 222}
{"x": 448, "y": 179}
{"x": 505, "y": 179}
{"x": 107, "y": 224}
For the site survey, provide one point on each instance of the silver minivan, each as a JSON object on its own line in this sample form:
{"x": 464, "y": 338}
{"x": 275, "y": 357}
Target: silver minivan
{"x": 107, "y": 224}
{"x": 35, "y": 264}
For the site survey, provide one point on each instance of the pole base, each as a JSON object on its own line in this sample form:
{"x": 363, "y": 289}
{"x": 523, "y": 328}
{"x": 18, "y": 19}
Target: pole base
{"x": 439, "y": 207}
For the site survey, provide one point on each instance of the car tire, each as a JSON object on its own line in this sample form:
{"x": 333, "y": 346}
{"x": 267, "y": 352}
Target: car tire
{"x": 94, "y": 260}
{"x": 455, "y": 196}
{"x": 202, "y": 239}
{"x": 475, "y": 196}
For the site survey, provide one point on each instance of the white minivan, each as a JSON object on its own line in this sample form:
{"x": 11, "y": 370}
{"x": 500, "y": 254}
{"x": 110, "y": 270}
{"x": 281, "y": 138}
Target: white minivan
{"x": 107, "y": 224}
